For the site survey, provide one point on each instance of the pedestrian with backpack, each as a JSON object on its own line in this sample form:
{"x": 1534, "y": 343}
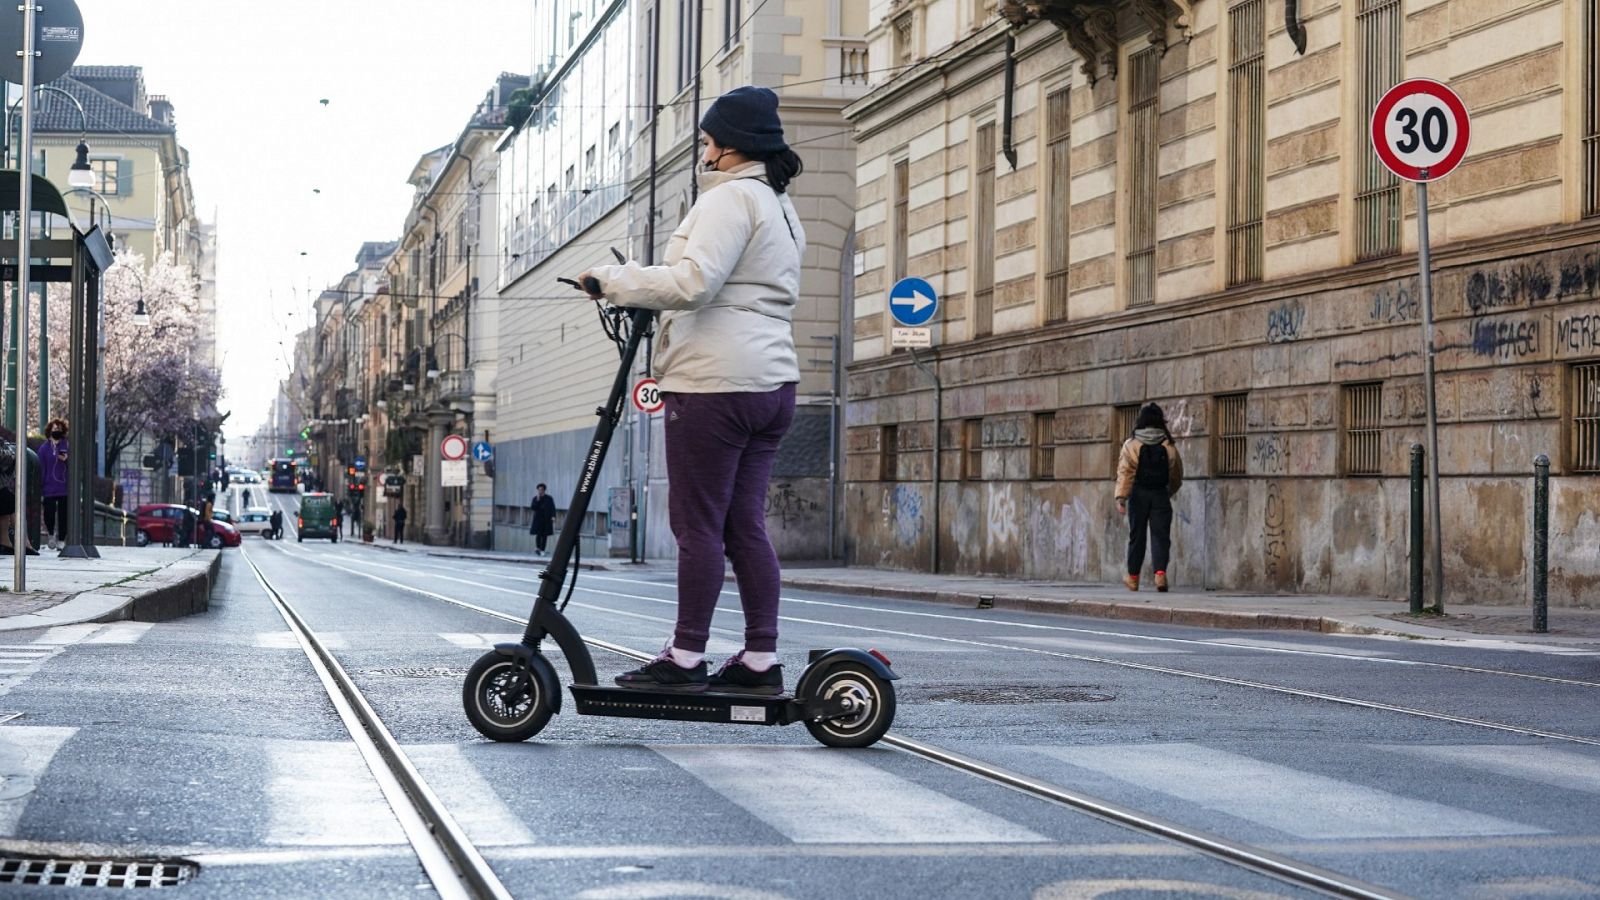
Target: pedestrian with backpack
{"x": 1149, "y": 473}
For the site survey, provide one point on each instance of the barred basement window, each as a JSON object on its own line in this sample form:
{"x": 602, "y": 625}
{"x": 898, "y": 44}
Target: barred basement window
{"x": 1583, "y": 445}
{"x": 983, "y": 233}
{"x": 972, "y": 450}
{"x": 1044, "y": 445}
{"x": 1591, "y": 107}
{"x": 889, "y": 453}
{"x": 1058, "y": 134}
{"x": 1122, "y": 419}
{"x": 1363, "y": 428}
{"x": 1143, "y": 172}
{"x": 902, "y": 218}
{"x": 1378, "y": 34}
{"x": 1247, "y": 30}
{"x": 1228, "y": 448}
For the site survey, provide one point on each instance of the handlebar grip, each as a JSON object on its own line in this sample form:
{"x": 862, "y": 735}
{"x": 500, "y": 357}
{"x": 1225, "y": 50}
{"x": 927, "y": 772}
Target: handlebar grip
{"x": 592, "y": 285}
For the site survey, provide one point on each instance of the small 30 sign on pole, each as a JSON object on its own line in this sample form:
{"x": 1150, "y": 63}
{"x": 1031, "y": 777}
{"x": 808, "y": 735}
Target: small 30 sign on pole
{"x": 647, "y": 396}
{"x": 1420, "y": 130}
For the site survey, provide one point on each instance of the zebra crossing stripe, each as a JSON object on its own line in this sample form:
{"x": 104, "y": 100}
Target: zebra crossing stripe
{"x": 25, "y": 752}
{"x": 321, "y": 793}
{"x": 799, "y": 792}
{"x": 1302, "y": 804}
{"x": 119, "y": 633}
{"x": 475, "y": 805}
{"x": 1545, "y": 765}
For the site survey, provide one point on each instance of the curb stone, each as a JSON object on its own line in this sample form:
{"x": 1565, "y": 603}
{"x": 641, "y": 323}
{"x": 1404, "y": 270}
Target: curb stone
{"x": 178, "y": 589}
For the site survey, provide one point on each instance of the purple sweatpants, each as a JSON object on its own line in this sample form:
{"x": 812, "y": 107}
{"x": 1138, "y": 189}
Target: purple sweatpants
{"x": 720, "y": 451}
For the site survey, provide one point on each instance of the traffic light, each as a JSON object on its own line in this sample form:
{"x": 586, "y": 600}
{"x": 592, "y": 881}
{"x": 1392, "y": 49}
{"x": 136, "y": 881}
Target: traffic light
{"x": 186, "y": 461}
{"x": 289, "y": 453}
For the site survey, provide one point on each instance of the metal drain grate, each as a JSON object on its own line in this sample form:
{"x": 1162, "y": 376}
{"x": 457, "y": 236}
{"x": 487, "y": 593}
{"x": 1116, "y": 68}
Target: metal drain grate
{"x": 419, "y": 672}
{"x": 111, "y": 873}
{"x": 1013, "y": 695}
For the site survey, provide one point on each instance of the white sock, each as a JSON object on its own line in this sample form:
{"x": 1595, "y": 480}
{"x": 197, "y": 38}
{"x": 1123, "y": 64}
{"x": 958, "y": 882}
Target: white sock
{"x": 756, "y": 661}
{"x": 685, "y": 659}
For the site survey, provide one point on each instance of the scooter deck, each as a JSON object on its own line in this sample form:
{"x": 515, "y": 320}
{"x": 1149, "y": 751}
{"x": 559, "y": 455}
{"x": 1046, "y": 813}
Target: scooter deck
{"x": 737, "y": 709}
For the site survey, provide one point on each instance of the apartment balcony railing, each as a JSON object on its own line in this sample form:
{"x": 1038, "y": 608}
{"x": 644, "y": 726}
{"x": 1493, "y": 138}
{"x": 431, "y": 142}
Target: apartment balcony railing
{"x": 453, "y": 386}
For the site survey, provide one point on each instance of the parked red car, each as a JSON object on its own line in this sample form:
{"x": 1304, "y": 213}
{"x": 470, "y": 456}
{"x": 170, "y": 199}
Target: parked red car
{"x": 158, "y": 522}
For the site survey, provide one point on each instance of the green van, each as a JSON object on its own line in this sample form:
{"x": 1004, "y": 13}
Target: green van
{"x": 319, "y": 518}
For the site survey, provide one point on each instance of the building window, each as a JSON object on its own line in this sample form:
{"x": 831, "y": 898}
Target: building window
{"x": 108, "y": 176}
{"x": 1363, "y": 428}
{"x": 686, "y": 64}
{"x": 1247, "y": 31}
{"x": 905, "y": 50}
{"x": 1583, "y": 443}
{"x": 1058, "y": 201}
{"x": 1591, "y": 107}
{"x": 732, "y": 18}
{"x": 889, "y": 453}
{"x": 1377, "y": 197}
{"x": 1044, "y": 445}
{"x": 972, "y": 450}
{"x": 1228, "y": 447}
{"x": 652, "y": 71}
{"x": 1143, "y": 139}
{"x": 983, "y": 233}
{"x": 900, "y": 236}
{"x": 1122, "y": 419}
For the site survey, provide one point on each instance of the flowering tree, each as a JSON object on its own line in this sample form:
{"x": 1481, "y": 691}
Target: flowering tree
{"x": 154, "y": 385}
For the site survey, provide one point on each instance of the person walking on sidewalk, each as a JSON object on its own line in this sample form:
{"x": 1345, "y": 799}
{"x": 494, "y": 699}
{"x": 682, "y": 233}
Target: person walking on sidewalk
{"x": 1149, "y": 473}
{"x": 399, "y": 523}
{"x": 53, "y": 459}
{"x": 544, "y": 518}
{"x": 728, "y": 368}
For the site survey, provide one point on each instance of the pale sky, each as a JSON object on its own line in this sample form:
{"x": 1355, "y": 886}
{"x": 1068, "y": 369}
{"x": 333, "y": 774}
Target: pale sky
{"x": 246, "y": 79}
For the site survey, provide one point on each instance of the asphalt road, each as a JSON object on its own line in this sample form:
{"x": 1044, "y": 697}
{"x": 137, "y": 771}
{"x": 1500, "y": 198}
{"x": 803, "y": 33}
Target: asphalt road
{"x": 211, "y": 739}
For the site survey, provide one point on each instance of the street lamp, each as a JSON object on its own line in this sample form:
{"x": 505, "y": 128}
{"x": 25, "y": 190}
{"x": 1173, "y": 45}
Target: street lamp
{"x": 81, "y": 175}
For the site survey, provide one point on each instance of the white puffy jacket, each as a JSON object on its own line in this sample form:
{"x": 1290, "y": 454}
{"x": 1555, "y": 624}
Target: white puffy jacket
{"x": 727, "y": 291}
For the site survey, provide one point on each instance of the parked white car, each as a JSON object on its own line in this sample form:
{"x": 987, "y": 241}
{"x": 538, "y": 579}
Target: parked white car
{"x": 255, "y": 520}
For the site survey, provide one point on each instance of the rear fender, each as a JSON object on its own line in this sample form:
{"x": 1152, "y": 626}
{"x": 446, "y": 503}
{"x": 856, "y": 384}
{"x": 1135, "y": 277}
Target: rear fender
{"x": 542, "y": 670}
{"x": 823, "y": 660}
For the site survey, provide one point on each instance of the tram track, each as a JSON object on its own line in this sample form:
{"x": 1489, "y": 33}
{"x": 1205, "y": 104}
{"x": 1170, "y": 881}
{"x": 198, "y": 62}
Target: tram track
{"x": 1255, "y": 859}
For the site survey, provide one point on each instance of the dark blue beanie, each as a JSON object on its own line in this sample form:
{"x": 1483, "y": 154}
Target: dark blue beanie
{"x": 746, "y": 119}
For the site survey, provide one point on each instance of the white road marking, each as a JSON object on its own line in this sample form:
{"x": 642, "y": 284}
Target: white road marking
{"x": 482, "y": 641}
{"x": 119, "y": 633}
{"x": 1291, "y": 647}
{"x": 67, "y": 634}
{"x": 321, "y": 793}
{"x": 25, "y": 752}
{"x": 1087, "y": 646}
{"x": 285, "y": 640}
{"x": 815, "y": 796}
{"x": 1302, "y": 804}
{"x": 1547, "y": 765}
{"x": 476, "y": 806}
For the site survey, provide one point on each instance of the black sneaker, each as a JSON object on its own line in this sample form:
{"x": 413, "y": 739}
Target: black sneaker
{"x": 662, "y": 674}
{"x": 737, "y": 678}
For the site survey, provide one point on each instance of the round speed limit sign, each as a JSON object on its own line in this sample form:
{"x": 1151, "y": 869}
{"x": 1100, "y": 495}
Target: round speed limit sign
{"x": 1420, "y": 129}
{"x": 647, "y": 396}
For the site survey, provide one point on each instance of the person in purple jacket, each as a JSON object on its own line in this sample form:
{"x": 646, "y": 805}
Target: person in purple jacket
{"x": 53, "y": 460}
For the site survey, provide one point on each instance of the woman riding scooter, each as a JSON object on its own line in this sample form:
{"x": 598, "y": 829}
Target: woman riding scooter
{"x": 727, "y": 366}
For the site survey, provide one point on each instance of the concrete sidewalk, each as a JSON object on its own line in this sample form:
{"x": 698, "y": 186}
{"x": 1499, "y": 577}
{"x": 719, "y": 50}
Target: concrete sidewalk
{"x": 150, "y": 584}
{"x": 1577, "y": 628}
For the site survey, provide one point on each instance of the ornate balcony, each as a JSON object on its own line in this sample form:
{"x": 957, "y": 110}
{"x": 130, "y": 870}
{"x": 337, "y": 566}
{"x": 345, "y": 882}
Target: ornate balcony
{"x": 1091, "y": 25}
{"x": 454, "y": 386}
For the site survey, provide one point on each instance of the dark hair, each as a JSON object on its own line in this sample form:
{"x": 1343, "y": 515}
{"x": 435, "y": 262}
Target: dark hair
{"x": 782, "y": 167}
{"x": 1150, "y": 416}
{"x": 540, "y": 487}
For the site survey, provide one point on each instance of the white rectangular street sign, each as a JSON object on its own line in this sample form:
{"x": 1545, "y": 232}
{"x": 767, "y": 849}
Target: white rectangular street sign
{"x": 919, "y": 338}
{"x": 453, "y": 472}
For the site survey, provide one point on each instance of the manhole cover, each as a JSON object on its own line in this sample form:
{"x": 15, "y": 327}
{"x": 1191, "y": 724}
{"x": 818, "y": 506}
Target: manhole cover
{"x": 998, "y": 696}
{"x": 419, "y": 672}
{"x": 111, "y": 873}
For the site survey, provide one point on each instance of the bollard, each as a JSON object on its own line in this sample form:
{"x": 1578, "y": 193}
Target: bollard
{"x": 1416, "y": 529}
{"x": 1541, "y": 543}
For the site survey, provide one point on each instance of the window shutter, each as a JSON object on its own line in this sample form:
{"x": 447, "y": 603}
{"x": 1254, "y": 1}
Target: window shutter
{"x": 124, "y": 178}
{"x": 38, "y": 162}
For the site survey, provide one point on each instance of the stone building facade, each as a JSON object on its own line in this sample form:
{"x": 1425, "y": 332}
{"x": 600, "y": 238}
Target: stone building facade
{"x": 1178, "y": 202}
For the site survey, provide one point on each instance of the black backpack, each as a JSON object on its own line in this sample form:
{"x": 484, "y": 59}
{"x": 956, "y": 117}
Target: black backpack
{"x": 1153, "y": 471}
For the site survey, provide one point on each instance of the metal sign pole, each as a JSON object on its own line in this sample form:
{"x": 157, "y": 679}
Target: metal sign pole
{"x": 1433, "y": 410}
{"x": 19, "y": 541}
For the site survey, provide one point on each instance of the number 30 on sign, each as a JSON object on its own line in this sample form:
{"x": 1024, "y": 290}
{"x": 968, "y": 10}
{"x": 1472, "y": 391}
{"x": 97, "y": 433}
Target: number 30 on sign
{"x": 1420, "y": 129}
{"x": 647, "y": 396}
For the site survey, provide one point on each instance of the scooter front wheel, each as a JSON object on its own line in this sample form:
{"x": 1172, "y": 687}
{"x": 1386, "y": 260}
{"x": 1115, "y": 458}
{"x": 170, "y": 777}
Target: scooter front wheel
{"x": 872, "y": 707}
{"x": 506, "y": 703}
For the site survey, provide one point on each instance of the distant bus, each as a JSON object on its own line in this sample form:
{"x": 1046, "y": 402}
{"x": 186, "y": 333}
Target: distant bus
{"x": 283, "y": 476}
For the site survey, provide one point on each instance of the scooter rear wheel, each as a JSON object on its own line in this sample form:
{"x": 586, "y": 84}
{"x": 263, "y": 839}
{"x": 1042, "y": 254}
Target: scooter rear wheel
{"x": 501, "y": 708}
{"x": 874, "y": 701}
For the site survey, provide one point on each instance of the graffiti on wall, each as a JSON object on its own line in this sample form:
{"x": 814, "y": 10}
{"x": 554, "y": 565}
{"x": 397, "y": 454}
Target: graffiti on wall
{"x": 1274, "y": 536}
{"x": 1505, "y": 340}
{"x": 1270, "y": 453}
{"x": 1060, "y": 537}
{"x": 1181, "y": 421}
{"x": 788, "y": 506}
{"x": 1579, "y": 333}
{"x": 1580, "y": 275}
{"x": 1002, "y": 532}
{"x": 902, "y": 513}
{"x": 1492, "y": 289}
{"x": 1392, "y": 303}
{"x": 1285, "y": 322}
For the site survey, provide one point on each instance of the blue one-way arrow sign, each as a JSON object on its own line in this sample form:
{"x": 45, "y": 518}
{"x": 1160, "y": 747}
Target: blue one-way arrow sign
{"x": 912, "y": 302}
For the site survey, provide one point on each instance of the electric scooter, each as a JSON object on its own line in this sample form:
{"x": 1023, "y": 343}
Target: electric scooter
{"x": 844, "y": 696}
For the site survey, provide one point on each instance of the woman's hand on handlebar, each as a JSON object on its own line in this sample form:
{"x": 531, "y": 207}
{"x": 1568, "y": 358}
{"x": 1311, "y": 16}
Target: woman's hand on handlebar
{"x": 591, "y": 285}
